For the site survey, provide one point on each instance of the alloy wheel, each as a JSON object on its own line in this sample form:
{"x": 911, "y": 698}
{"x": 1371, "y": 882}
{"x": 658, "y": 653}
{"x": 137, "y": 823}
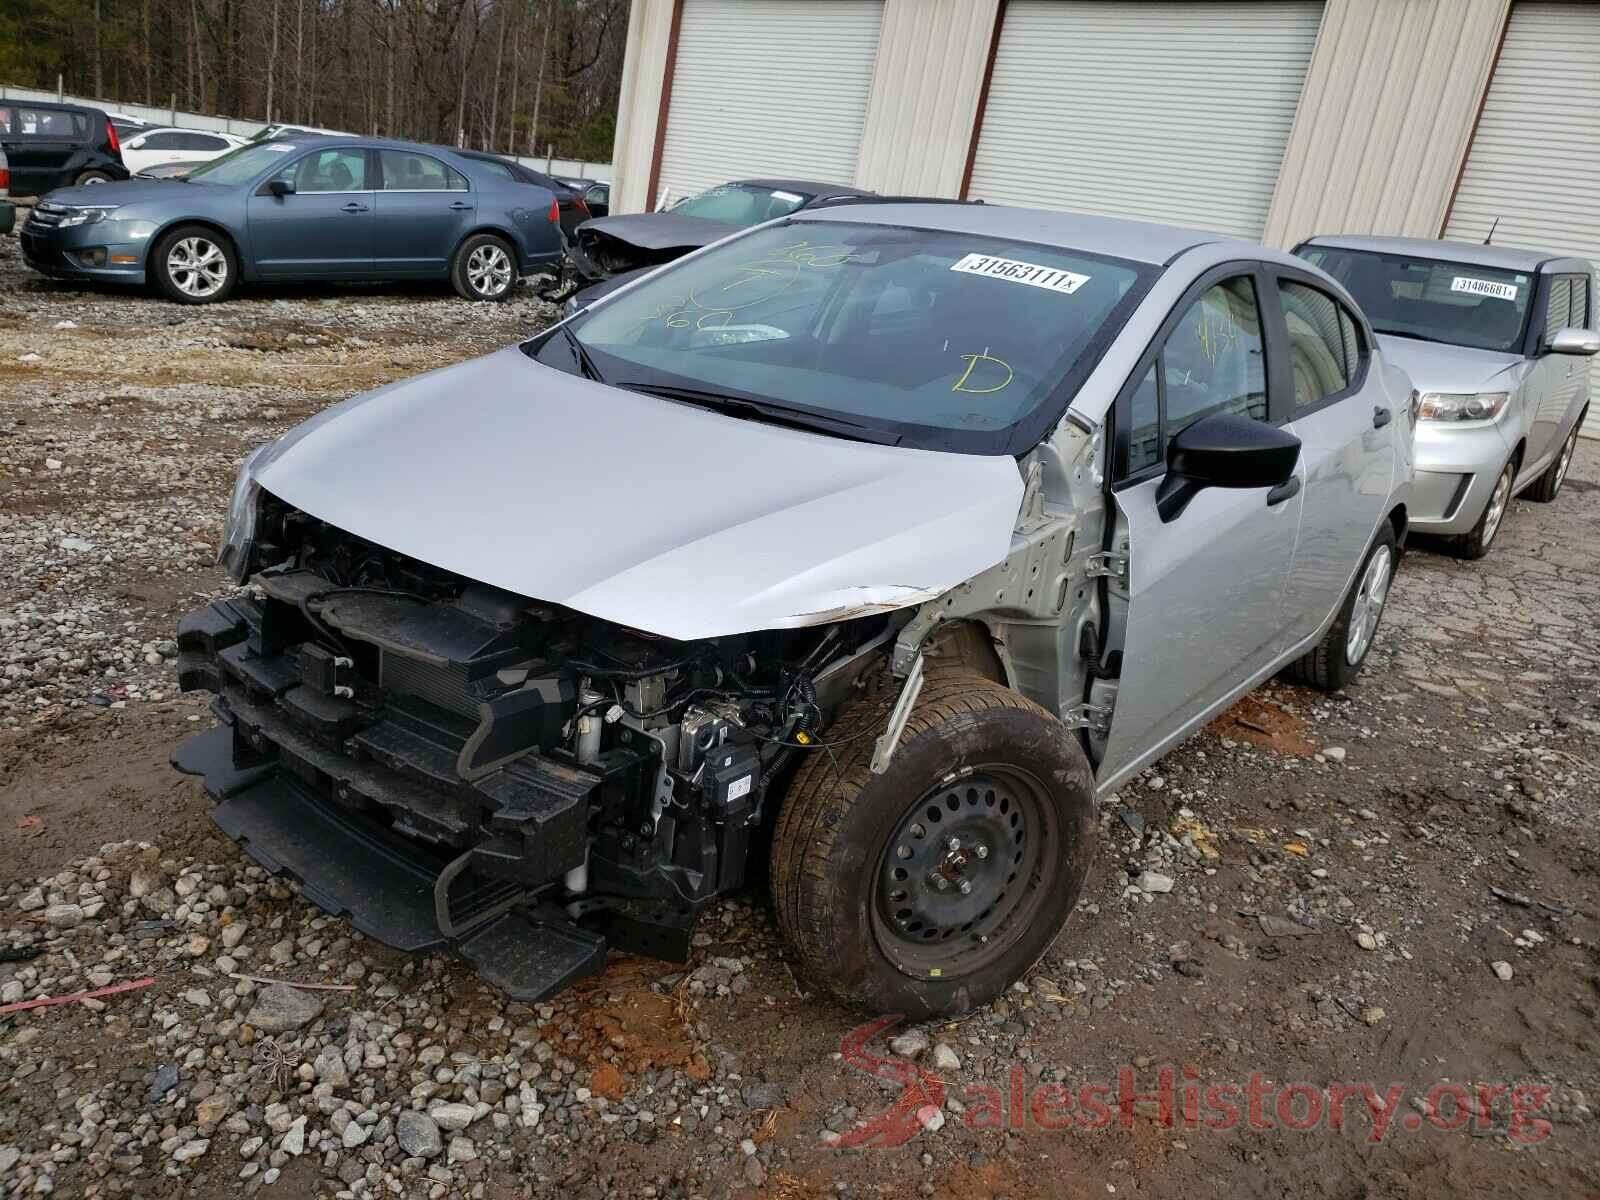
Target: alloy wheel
{"x": 197, "y": 267}
{"x": 1497, "y": 504}
{"x": 1368, "y": 608}
{"x": 1567, "y": 452}
{"x": 489, "y": 270}
{"x": 964, "y": 873}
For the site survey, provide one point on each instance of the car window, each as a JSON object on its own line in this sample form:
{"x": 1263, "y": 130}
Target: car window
{"x": 47, "y": 122}
{"x": 1317, "y": 358}
{"x": 598, "y": 195}
{"x": 497, "y": 169}
{"x": 200, "y": 141}
{"x": 739, "y": 204}
{"x": 1212, "y": 361}
{"x": 947, "y": 340}
{"x": 244, "y": 163}
{"x": 169, "y": 140}
{"x": 1558, "y": 313}
{"x": 343, "y": 170}
{"x": 1580, "y": 302}
{"x": 404, "y": 171}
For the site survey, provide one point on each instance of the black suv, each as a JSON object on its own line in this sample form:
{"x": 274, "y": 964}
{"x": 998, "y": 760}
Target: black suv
{"x": 58, "y": 145}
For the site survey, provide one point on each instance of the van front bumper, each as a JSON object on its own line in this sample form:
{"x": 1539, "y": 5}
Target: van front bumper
{"x": 1456, "y": 466}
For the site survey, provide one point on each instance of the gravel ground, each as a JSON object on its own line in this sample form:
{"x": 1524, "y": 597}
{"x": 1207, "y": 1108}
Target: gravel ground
{"x": 1395, "y": 885}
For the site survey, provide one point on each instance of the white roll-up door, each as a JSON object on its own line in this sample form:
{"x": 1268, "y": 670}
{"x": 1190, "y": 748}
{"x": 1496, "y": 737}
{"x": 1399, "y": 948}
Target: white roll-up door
{"x": 768, "y": 88}
{"x": 1535, "y": 157}
{"x": 1167, "y": 112}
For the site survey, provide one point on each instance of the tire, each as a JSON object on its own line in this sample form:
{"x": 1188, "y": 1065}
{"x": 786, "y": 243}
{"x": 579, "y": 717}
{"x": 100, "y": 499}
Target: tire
{"x": 194, "y": 264}
{"x": 1338, "y": 657}
{"x": 484, "y": 268}
{"x": 1475, "y": 543}
{"x": 1545, "y": 488}
{"x": 86, "y": 178}
{"x": 976, "y": 762}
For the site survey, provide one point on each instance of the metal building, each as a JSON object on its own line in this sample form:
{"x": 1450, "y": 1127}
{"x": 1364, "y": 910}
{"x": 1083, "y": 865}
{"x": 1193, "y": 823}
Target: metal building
{"x": 1266, "y": 118}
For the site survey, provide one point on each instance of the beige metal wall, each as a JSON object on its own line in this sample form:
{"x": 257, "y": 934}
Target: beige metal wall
{"x": 644, "y": 65}
{"x": 1385, "y": 118}
{"x": 931, "y": 57}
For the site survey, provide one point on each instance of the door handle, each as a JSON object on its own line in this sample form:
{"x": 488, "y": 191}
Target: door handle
{"x": 1284, "y": 491}
{"x": 459, "y": 206}
{"x": 353, "y": 207}
{"x": 1380, "y": 417}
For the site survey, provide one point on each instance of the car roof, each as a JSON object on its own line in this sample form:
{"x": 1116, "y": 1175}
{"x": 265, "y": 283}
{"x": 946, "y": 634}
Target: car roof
{"x": 1509, "y": 258}
{"x": 810, "y": 187}
{"x": 1136, "y": 241}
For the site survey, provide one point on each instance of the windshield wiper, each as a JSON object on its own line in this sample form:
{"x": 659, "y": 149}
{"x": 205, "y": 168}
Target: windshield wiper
{"x": 770, "y": 411}
{"x": 1417, "y": 337}
{"x": 586, "y": 365}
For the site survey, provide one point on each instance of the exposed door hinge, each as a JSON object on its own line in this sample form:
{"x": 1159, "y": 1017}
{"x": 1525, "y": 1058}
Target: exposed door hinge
{"x": 1094, "y": 717}
{"x": 1105, "y": 564}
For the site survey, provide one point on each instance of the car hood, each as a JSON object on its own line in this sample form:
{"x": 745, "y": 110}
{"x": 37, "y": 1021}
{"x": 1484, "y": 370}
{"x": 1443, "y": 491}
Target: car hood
{"x": 656, "y": 515}
{"x": 130, "y": 191}
{"x": 659, "y": 231}
{"x": 1434, "y": 367}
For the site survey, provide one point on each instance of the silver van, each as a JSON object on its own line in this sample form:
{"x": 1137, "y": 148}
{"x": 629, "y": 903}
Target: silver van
{"x": 1497, "y": 342}
{"x": 876, "y": 542}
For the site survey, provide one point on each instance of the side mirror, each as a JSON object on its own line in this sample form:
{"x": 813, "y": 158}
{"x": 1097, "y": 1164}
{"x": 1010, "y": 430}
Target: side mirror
{"x": 1224, "y": 450}
{"x": 1574, "y": 341}
{"x": 281, "y": 187}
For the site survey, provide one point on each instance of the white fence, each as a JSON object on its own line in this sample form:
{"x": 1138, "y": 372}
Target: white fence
{"x": 189, "y": 120}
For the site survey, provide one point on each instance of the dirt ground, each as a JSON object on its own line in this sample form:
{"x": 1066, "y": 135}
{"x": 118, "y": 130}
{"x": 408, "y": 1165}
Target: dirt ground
{"x": 1344, "y": 870}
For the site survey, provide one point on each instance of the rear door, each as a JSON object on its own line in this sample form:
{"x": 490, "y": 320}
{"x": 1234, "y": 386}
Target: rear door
{"x": 40, "y": 144}
{"x": 1550, "y": 385}
{"x": 424, "y": 208}
{"x": 1203, "y": 597}
{"x": 1347, "y": 425}
{"x": 324, "y": 229}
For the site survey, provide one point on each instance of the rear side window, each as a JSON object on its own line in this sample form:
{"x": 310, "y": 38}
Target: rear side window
{"x": 1213, "y": 361}
{"x": 499, "y": 170}
{"x": 200, "y": 141}
{"x": 1324, "y": 344}
{"x": 165, "y": 141}
{"x": 404, "y": 171}
{"x": 50, "y": 123}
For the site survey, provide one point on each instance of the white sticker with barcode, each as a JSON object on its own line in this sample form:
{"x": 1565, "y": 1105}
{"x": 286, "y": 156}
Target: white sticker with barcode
{"x": 1011, "y": 270}
{"x": 739, "y": 788}
{"x": 1492, "y": 288}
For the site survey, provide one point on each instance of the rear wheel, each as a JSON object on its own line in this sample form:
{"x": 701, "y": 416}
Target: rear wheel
{"x": 85, "y": 178}
{"x": 194, "y": 264}
{"x": 1556, "y": 473}
{"x": 928, "y": 889}
{"x": 1475, "y": 543}
{"x": 484, "y": 268}
{"x": 1338, "y": 657}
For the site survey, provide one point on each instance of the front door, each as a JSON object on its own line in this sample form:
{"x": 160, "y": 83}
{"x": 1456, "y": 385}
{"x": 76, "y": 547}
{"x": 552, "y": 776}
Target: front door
{"x": 1204, "y": 594}
{"x": 324, "y": 228}
{"x": 1346, "y": 423}
{"x": 424, "y": 209}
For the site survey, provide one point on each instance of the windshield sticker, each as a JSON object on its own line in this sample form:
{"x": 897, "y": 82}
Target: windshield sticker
{"x": 1012, "y": 271}
{"x": 790, "y": 197}
{"x": 281, "y": 148}
{"x": 1491, "y": 288}
{"x": 985, "y": 383}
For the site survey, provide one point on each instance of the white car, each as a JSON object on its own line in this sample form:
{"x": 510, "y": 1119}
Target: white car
{"x": 156, "y": 146}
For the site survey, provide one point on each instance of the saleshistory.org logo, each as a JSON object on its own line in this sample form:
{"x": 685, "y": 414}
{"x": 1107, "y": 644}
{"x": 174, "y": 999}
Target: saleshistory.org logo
{"x": 1178, "y": 1099}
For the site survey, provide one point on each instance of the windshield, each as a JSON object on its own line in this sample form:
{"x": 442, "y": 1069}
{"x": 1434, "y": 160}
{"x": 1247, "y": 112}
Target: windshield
{"x": 740, "y": 204}
{"x": 941, "y": 340}
{"x": 241, "y": 165}
{"x": 1462, "y": 304}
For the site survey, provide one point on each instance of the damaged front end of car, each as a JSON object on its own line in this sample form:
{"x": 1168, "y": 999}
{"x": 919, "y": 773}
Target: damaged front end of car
{"x": 451, "y": 765}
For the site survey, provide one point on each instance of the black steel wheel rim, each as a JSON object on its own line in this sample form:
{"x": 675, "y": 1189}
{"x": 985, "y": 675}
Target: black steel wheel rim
{"x": 964, "y": 873}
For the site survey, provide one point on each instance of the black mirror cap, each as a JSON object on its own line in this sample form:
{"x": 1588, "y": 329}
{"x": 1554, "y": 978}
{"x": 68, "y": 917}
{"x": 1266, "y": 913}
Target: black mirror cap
{"x": 280, "y": 187}
{"x": 1224, "y": 450}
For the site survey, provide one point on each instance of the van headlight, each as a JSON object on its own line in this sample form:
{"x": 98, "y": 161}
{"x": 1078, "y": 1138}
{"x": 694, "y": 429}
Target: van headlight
{"x": 85, "y": 216}
{"x": 239, "y": 534}
{"x": 1462, "y": 406}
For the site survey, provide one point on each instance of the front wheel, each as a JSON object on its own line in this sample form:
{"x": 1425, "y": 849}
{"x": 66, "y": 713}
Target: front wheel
{"x": 194, "y": 264}
{"x": 1338, "y": 656}
{"x": 929, "y": 889}
{"x": 484, "y": 268}
{"x": 86, "y": 178}
{"x": 1475, "y": 542}
{"x": 1548, "y": 484}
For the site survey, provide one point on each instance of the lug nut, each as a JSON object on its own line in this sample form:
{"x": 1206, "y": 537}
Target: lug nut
{"x": 953, "y": 845}
{"x": 966, "y": 887}
{"x": 981, "y": 850}
{"x": 940, "y": 882}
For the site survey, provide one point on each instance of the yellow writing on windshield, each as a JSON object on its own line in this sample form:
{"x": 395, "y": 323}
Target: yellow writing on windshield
{"x": 986, "y": 375}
